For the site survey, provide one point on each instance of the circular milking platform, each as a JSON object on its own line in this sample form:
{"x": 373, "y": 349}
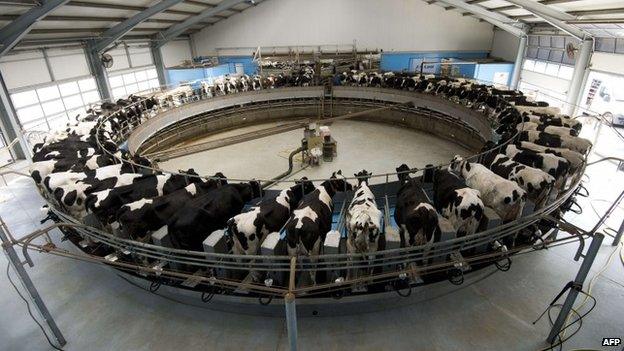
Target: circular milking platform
{"x": 377, "y": 147}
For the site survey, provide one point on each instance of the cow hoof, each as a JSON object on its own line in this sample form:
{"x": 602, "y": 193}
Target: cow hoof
{"x": 398, "y": 285}
{"x": 264, "y": 302}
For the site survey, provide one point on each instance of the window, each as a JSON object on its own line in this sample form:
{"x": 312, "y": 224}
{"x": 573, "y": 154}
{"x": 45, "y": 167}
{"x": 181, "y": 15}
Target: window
{"x": 528, "y": 65}
{"x": 540, "y": 67}
{"x": 566, "y": 72}
{"x": 133, "y": 82}
{"x": 52, "y": 106}
{"x": 549, "y": 68}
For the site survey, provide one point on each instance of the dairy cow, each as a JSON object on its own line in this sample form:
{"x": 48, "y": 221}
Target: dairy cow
{"x": 414, "y": 213}
{"x": 363, "y": 219}
{"x": 534, "y": 181}
{"x": 458, "y": 203}
{"x": 505, "y": 197}
{"x": 551, "y": 140}
{"x": 574, "y": 158}
{"x": 137, "y": 219}
{"x": 556, "y": 166}
{"x": 194, "y": 221}
{"x": 247, "y": 230}
{"x": 311, "y": 220}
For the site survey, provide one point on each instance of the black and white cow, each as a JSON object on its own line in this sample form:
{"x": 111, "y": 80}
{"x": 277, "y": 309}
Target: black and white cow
{"x": 575, "y": 158}
{"x": 534, "y": 181}
{"x": 247, "y": 230}
{"x": 363, "y": 219}
{"x": 553, "y": 121}
{"x": 194, "y": 221}
{"x": 546, "y": 139}
{"x": 137, "y": 219}
{"x": 561, "y": 131}
{"x": 556, "y": 166}
{"x": 458, "y": 203}
{"x": 311, "y": 220}
{"x": 104, "y": 204}
{"x": 414, "y": 213}
{"x": 505, "y": 197}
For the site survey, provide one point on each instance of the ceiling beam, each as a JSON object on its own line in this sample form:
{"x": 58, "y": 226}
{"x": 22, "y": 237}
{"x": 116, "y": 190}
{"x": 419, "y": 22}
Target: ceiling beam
{"x": 503, "y": 22}
{"x": 177, "y": 29}
{"x": 13, "y": 32}
{"x": 617, "y": 10}
{"x": 88, "y": 19}
{"x": 467, "y": 2}
{"x": 116, "y": 32}
{"x": 514, "y": 7}
{"x": 553, "y": 16}
{"x": 83, "y": 30}
{"x": 124, "y": 7}
{"x": 541, "y": 9}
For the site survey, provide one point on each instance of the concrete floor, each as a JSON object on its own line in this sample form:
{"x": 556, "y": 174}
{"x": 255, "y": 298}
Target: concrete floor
{"x": 96, "y": 310}
{"x": 379, "y": 153}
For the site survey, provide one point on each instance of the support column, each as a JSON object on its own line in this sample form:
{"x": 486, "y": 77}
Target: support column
{"x": 98, "y": 71}
{"x": 291, "y": 320}
{"x": 515, "y": 76}
{"x": 32, "y": 294}
{"x": 588, "y": 261}
{"x": 583, "y": 58}
{"x": 160, "y": 66}
{"x": 10, "y": 126}
{"x": 618, "y": 236}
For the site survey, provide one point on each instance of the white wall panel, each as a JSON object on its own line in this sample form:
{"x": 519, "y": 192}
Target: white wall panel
{"x": 391, "y": 25}
{"x": 546, "y": 82}
{"x": 24, "y": 69}
{"x": 140, "y": 56}
{"x": 174, "y": 52}
{"x": 611, "y": 63}
{"x": 504, "y": 45}
{"x": 68, "y": 63}
{"x": 120, "y": 59}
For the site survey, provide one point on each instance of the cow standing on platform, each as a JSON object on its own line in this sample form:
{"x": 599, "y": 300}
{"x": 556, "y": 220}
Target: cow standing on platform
{"x": 414, "y": 213}
{"x": 247, "y": 230}
{"x": 457, "y": 202}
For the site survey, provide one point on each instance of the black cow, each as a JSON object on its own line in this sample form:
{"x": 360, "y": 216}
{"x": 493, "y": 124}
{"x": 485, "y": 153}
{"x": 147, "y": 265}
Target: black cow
{"x": 193, "y": 222}
{"x": 414, "y": 213}
{"x": 138, "y": 218}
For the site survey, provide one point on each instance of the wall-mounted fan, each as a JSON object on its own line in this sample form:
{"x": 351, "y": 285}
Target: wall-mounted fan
{"x": 571, "y": 50}
{"x": 107, "y": 60}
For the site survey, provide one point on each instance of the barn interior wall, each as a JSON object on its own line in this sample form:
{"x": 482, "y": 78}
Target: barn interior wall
{"x": 176, "y": 51}
{"x": 391, "y": 25}
{"x": 504, "y": 45}
{"x": 610, "y": 63}
{"x": 546, "y": 82}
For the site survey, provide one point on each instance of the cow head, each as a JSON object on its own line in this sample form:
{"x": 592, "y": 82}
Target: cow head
{"x": 459, "y": 165}
{"x": 339, "y": 182}
{"x": 220, "y": 178}
{"x": 363, "y": 176}
{"x": 365, "y": 235}
{"x": 256, "y": 189}
{"x": 403, "y": 172}
{"x": 302, "y": 187}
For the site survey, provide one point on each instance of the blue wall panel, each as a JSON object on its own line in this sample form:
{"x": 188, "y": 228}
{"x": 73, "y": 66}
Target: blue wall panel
{"x": 221, "y": 70}
{"x": 177, "y": 76}
{"x": 404, "y": 61}
{"x": 485, "y": 72}
{"x": 249, "y": 66}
